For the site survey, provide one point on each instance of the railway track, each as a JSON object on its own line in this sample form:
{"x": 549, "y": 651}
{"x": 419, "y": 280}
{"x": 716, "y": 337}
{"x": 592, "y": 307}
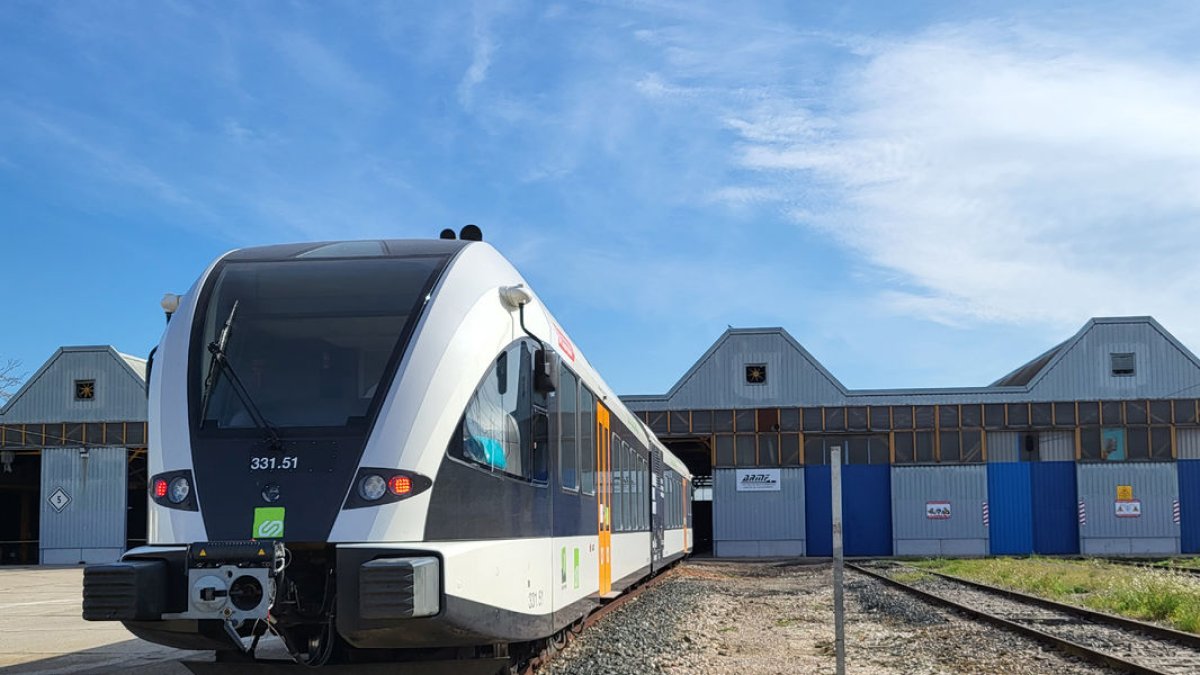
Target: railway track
{"x": 516, "y": 659}
{"x": 1153, "y": 565}
{"x": 556, "y": 644}
{"x": 1122, "y": 644}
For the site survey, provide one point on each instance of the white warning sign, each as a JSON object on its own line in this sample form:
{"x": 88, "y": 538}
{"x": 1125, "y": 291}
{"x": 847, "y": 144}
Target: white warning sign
{"x": 59, "y": 500}
{"x": 1129, "y": 509}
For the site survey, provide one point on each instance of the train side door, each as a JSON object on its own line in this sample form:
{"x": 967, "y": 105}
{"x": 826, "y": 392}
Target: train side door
{"x": 604, "y": 496}
{"x": 656, "y": 508}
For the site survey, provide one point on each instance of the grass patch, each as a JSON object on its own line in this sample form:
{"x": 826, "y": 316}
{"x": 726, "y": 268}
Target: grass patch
{"x": 911, "y": 576}
{"x": 1141, "y": 593}
{"x": 787, "y": 621}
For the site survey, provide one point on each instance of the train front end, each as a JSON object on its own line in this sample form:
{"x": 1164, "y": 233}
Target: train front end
{"x": 269, "y": 474}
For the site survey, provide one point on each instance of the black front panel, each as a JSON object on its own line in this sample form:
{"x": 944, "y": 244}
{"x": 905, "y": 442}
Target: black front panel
{"x": 231, "y": 489}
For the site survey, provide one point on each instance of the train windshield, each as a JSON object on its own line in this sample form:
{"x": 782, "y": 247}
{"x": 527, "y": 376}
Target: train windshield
{"x": 310, "y": 341}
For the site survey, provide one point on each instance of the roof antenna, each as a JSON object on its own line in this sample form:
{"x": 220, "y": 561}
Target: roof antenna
{"x": 471, "y": 233}
{"x": 447, "y": 234}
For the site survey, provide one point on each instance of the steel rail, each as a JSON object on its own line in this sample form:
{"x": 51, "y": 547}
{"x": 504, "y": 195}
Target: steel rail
{"x": 1152, "y": 565}
{"x": 1189, "y": 639}
{"x": 1075, "y": 649}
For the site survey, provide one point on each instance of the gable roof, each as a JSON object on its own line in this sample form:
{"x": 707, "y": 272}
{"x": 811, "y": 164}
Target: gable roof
{"x": 131, "y": 366}
{"x": 801, "y": 370}
{"x": 1074, "y": 368}
{"x": 1041, "y": 367}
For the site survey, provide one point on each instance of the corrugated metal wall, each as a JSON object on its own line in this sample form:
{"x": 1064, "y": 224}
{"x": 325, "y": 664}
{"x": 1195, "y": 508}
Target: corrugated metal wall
{"x": 1003, "y": 446}
{"x": 50, "y": 398}
{"x": 1155, "y": 485}
{"x": 1056, "y": 446}
{"x": 1084, "y": 371}
{"x": 963, "y": 488}
{"x": 758, "y": 524}
{"x": 91, "y": 527}
{"x": 1053, "y": 446}
{"x": 1187, "y": 443}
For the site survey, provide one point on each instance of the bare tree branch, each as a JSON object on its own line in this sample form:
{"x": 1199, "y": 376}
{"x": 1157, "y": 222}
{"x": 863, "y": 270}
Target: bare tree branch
{"x": 11, "y": 377}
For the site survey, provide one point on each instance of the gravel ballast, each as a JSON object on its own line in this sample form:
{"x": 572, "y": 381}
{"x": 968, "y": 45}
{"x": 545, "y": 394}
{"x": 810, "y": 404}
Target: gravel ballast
{"x": 768, "y": 617}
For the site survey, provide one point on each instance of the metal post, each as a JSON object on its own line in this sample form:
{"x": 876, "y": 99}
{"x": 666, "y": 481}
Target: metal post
{"x": 839, "y": 614}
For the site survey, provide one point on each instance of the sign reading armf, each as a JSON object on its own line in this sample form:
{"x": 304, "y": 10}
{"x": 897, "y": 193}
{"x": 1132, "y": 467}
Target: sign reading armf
{"x": 758, "y": 480}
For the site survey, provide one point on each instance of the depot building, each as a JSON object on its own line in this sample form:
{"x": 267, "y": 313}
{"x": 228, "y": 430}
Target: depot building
{"x": 73, "y": 460}
{"x": 1093, "y": 447}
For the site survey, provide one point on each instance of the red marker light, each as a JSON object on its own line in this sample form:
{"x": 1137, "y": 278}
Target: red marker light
{"x": 160, "y": 488}
{"x": 400, "y": 485}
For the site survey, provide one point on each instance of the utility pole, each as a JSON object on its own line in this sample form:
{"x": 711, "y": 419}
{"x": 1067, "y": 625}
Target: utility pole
{"x": 839, "y": 614}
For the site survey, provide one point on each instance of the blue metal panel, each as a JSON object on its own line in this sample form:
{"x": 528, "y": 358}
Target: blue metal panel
{"x": 1010, "y": 503}
{"x": 1189, "y": 504}
{"x": 818, "y": 510}
{"x": 1056, "y": 518}
{"x": 866, "y": 510}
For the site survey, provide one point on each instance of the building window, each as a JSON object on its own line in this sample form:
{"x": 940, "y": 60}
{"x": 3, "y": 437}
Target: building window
{"x": 1123, "y": 365}
{"x": 85, "y": 390}
{"x": 756, "y": 373}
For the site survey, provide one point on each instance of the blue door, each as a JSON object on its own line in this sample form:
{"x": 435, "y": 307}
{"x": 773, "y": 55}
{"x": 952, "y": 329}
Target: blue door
{"x": 818, "y": 511}
{"x": 1010, "y": 502}
{"x": 1055, "y": 515}
{"x": 1189, "y": 504}
{"x": 866, "y": 510}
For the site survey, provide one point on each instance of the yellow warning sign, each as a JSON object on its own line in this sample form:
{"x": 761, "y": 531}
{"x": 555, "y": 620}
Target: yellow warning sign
{"x": 203, "y": 553}
{"x": 1124, "y": 493}
{"x": 261, "y": 552}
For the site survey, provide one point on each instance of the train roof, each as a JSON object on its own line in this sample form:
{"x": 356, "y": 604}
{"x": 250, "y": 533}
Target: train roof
{"x": 364, "y": 248}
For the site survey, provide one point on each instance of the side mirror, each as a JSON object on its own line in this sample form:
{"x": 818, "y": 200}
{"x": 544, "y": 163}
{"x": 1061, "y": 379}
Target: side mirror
{"x": 545, "y": 371}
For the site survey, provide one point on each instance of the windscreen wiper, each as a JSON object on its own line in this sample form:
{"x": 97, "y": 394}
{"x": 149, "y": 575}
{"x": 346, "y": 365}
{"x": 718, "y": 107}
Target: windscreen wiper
{"x": 220, "y": 363}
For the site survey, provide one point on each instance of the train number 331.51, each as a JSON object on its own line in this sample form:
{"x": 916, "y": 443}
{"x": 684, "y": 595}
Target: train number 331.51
{"x": 284, "y": 463}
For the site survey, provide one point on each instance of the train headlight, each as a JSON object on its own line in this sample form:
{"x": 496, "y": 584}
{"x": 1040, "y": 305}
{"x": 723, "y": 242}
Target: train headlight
{"x": 371, "y": 487}
{"x": 375, "y": 486}
{"x": 178, "y": 490}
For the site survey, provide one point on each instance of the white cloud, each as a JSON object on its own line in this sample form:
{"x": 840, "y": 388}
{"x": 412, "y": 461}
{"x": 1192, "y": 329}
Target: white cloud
{"x": 482, "y": 47}
{"x": 1009, "y": 175}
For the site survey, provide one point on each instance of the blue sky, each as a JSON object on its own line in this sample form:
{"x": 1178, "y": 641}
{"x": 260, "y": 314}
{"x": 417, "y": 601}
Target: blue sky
{"x": 923, "y": 195}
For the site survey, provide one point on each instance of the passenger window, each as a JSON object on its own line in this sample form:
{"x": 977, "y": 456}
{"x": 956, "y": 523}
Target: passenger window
{"x": 615, "y": 481}
{"x": 627, "y": 485}
{"x": 567, "y": 448}
{"x": 587, "y": 441}
{"x": 498, "y": 426}
{"x": 644, "y": 497}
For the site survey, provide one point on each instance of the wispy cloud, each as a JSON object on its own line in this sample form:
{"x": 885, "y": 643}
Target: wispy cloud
{"x": 482, "y": 47}
{"x": 1010, "y": 175}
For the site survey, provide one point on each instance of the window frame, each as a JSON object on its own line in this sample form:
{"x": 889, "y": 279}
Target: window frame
{"x": 534, "y": 409}
{"x": 576, "y": 488}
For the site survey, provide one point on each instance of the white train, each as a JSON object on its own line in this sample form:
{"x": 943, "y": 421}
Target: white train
{"x": 370, "y": 447}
